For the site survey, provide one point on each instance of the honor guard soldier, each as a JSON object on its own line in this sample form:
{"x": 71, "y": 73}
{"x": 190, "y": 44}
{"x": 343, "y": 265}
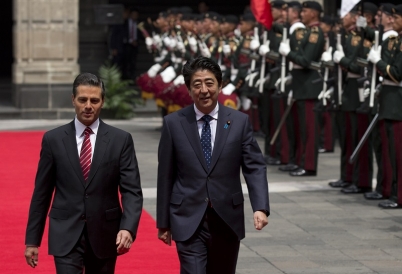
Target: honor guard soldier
{"x": 308, "y": 48}
{"x": 388, "y": 61}
{"x": 385, "y": 20}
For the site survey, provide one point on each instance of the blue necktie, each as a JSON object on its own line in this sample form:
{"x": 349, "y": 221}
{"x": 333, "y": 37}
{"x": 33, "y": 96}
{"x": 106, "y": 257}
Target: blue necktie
{"x": 206, "y": 139}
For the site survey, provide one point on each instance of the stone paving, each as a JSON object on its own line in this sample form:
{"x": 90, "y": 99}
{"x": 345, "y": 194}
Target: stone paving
{"x": 312, "y": 228}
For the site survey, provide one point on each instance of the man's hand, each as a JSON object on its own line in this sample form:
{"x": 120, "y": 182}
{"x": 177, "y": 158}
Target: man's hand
{"x": 284, "y": 48}
{"x": 123, "y": 241}
{"x": 260, "y": 220}
{"x": 374, "y": 55}
{"x": 31, "y": 255}
{"x": 165, "y": 236}
{"x": 338, "y": 54}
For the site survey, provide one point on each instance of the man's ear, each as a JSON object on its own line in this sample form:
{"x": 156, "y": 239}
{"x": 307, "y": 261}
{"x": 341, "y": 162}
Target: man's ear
{"x": 72, "y": 99}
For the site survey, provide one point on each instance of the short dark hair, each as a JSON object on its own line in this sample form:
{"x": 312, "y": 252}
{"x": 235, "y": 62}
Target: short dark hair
{"x": 201, "y": 63}
{"x": 88, "y": 79}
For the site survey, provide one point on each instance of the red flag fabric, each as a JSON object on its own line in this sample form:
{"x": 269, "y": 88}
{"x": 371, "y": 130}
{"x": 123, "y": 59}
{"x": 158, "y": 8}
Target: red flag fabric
{"x": 262, "y": 12}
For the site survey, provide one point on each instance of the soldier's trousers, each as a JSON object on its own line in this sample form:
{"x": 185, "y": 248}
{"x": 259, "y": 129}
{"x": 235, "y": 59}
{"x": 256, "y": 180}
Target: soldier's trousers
{"x": 361, "y": 172}
{"x": 391, "y": 135}
{"x": 306, "y": 134}
{"x": 326, "y": 123}
{"x": 279, "y": 150}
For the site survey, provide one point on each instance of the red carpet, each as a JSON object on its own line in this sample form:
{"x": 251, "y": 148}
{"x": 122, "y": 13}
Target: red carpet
{"x": 18, "y": 162}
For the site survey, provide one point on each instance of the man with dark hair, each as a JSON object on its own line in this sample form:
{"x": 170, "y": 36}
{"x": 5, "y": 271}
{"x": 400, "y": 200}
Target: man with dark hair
{"x": 200, "y": 202}
{"x": 85, "y": 164}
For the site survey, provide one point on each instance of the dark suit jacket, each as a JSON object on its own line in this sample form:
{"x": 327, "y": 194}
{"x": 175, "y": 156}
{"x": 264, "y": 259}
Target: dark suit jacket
{"x": 185, "y": 184}
{"x": 76, "y": 202}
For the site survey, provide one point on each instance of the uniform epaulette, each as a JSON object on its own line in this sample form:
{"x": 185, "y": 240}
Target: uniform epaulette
{"x": 353, "y": 32}
{"x": 392, "y": 37}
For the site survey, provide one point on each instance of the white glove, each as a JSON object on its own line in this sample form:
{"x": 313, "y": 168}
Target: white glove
{"x": 361, "y": 22}
{"x": 193, "y": 43}
{"x": 179, "y": 80}
{"x": 237, "y": 32}
{"x": 327, "y": 55}
{"x": 168, "y": 74}
{"x": 173, "y": 43}
{"x": 338, "y": 54}
{"x": 157, "y": 41}
{"x": 245, "y": 103}
{"x": 228, "y": 90}
{"x": 205, "y": 52}
{"x": 264, "y": 49}
{"x": 153, "y": 70}
{"x": 366, "y": 92}
{"x": 284, "y": 48}
{"x": 226, "y": 50}
{"x": 180, "y": 46}
{"x": 254, "y": 44}
{"x": 149, "y": 42}
{"x": 374, "y": 55}
{"x": 167, "y": 41}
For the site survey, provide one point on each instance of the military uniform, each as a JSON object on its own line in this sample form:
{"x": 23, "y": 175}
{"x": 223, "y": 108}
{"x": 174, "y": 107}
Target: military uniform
{"x": 390, "y": 115}
{"x": 305, "y": 49}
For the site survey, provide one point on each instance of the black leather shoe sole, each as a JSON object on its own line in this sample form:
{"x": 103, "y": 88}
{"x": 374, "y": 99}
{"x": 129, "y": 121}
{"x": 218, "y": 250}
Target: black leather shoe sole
{"x": 355, "y": 190}
{"x": 373, "y": 196}
{"x": 339, "y": 184}
{"x": 302, "y": 172}
{"x": 389, "y": 205}
{"x": 288, "y": 167}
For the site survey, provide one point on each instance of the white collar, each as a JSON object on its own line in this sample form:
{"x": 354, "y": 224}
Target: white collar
{"x": 213, "y": 113}
{"x": 80, "y": 127}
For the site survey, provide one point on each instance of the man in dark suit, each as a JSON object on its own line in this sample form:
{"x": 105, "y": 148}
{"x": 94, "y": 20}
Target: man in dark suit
{"x": 85, "y": 164}
{"x": 200, "y": 201}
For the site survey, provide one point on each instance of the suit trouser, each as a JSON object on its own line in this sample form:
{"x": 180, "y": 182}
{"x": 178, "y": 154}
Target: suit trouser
{"x": 391, "y": 135}
{"x": 213, "y": 249}
{"x": 307, "y": 134}
{"x": 83, "y": 258}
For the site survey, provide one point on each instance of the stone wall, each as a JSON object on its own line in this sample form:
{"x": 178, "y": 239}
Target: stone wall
{"x": 45, "y": 37}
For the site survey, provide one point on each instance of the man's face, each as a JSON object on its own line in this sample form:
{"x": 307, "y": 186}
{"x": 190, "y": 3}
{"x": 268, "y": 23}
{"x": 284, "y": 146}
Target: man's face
{"x": 214, "y": 27}
{"x": 246, "y": 26}
{"x": 204, "y": 90}
{"x": 276, "y": 14}
{"x": 306, "y": 15}
{"x": 349, "y": 20}
{"x": 88, "y": 103}
{"x": 134, "y": 15}
{"x": 207, "y": 22}
{"x": 397, "y": 25}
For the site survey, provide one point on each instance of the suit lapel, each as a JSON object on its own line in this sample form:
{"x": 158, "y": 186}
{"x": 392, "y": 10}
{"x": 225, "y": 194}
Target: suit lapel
{"x": 70, "y": 144}
{"x": 189, "y": 124}
{"x": 222, "y": 132}
{"x": 101, "y": 144}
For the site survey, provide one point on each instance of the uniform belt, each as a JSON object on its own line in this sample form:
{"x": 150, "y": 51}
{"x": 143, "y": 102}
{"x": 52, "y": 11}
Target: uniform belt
{"x": 353, "y": 75}
{"x": 387, "y": 82}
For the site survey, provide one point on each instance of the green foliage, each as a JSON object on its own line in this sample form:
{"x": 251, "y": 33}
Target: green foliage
{"x": 120, "y": 97}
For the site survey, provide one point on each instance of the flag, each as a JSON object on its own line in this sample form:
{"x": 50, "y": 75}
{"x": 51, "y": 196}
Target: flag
{"x": 262, "y": 12}
{"x": 347, "y": 5}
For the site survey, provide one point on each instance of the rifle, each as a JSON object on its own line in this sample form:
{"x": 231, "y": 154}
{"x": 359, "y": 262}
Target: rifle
{"x": 283, "y": 63}
{"x": 263, "y": 64}
{"x": 282, "y": 121}
{"x": 253, "y": 61}
{"x": 374, "y": 72}
{"x": 339, "y": 37}
{"x": 370, "y": 128}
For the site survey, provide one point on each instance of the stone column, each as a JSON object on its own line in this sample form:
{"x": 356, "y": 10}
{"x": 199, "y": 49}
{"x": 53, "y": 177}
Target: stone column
{"x": 45, "y": 54}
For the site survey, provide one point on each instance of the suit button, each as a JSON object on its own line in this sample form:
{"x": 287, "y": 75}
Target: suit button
{"x": 206, "y": 199}
{"x": 207, "y": 179}
{"x": 86, "y": 196}
{"x": 83, "y": 217}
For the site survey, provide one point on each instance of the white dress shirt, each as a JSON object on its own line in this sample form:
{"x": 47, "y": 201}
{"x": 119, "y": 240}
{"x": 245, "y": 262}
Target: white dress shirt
{"x": 212, "y": 123}
{"x": 79, "y": 135}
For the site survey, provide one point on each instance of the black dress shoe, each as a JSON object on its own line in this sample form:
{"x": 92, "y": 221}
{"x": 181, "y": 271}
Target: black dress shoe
{"x": 388, "y": 204}
{"x": 303, "y": 172}
{"x": 288, "y": 167}
{"x": 353, "y": 189}
{"x": 272, "y": 161}
{"x": 339, "y": 183}
{"x": 373, "y": 196}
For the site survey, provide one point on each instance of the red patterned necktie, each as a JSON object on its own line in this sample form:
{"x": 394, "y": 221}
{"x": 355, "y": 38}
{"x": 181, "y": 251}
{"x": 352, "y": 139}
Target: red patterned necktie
{"x": 86, "y": 153}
